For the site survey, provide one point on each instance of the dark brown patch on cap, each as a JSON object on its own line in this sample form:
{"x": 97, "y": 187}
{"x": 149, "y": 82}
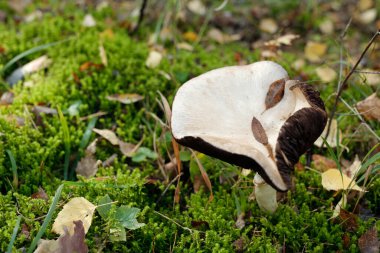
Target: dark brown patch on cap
{"x": 311, "y": 94}
{"x": 297, "y": 135}
{"x": 237, "y": 159}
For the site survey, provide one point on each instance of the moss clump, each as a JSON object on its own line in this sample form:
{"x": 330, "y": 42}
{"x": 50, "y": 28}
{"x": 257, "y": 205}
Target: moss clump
{"x": 302, "y": 221}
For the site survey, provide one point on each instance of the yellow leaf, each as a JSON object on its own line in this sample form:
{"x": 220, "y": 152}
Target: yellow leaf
{"x": 190, "y": 36}
{"x": 315, "y": 50}
{"x": 326, "y": 74}
{"x": 332, "y": 179}
{"x": 76, "y": 209}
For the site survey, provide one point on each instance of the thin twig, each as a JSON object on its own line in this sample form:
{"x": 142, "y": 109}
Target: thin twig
{"x": 368, "y": 72}
{"x": 141, "y": 16}
{"x": 167, "y": 187}
{"x": 344, "y": 83}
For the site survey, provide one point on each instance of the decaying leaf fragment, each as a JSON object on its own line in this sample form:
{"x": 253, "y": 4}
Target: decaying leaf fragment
{"x": 333, "y": 179}
{"x": 125, "y": 98}
{"x": 370, "y": 107}
{"x": 275, "y": 93}
{"x": 66, "y": 242}
{"x": 77, "y": 209}
{"x": 88, "y": 165}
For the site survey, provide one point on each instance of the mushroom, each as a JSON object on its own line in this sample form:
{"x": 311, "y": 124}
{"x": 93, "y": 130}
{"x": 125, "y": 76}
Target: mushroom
{"x": 252, "y": 116}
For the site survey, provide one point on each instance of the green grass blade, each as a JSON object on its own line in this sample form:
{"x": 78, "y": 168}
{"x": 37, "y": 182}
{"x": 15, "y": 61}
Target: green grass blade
{"x": 47, "y": 219}
{"x": 29, "y": 52}
{"x": 14, "y": 169}
{"x": 14, "y": 234}
{"x": 66, "y": 141}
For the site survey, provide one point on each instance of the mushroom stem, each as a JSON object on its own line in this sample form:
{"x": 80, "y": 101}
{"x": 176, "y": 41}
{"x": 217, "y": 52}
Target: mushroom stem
{"x": 265, "y": 195}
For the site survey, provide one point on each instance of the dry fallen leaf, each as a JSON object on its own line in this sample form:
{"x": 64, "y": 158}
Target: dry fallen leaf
{"x": 258, "y": 131}
{"x": 108, "y": 135}
{"x": 348, "y": 220}
{"x": 88, "y": 165}
{"x": 369, "y": 241}
{"x": 89, "y": 21}
{"x": 322, "y": 163}
{"x": 327, "y": 26}
{"x": 103, "y": 55}
{"x": 154, "y": 59}
{"x": 370, "y": 107}
{"x": 282, "y": 40}
{"x": 66, "y": 243}
{"x": 314, "y": 51}
{"x": 353, "y": 169}
{"x": 129, "y": 149}
{"x": 41, "y": 194}
{"x": 268, "y": 25}
{"x": 331, "y": 138}
{"x": 220, "y": 37}
{"x": 326, "y": 74}
{"x": 196, "y": 7}
{"x": 31, "y": 67}
{"x": 125, "y": 98}
{"x": 370, "y": 77}
{"x": 368, "y": 16}
{"x": 77, "y": 209}
{"x": 185, "y": 46}
{"x": 333, "y": 179}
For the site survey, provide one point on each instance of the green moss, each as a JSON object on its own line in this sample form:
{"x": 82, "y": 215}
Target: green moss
{"x": 301, "y": 223}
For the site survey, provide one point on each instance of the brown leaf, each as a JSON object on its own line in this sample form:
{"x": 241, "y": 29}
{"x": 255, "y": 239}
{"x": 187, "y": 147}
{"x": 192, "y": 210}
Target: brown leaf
{"x": 88, "y": 165}
{"x": 66, "y": 243}
{"x": 258, "y": 131}
{"x": 7, "y": 98}
{"x": 369, "y": 241}
{"x": 275, "y": 93}
{"x": 25, "y": 230}
{"x": 348, "y": 220}
{"x": 125, "y": 98}
{"x": 88, "y": 65}
{"x": 370, "y": 107}
{"x": 128, "y": 149}
{"x": 41, "y": 194}
{"x": 322, "y": 163}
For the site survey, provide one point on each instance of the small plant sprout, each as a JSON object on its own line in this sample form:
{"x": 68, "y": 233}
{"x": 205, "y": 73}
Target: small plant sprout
{"x": 252, "y": 116}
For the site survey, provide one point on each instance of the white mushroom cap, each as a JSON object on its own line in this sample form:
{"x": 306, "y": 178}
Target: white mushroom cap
{"x": 241, "y": 114}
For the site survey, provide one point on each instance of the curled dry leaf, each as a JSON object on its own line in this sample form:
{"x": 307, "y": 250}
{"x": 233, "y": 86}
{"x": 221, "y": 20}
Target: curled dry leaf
{"x": 108, "y": 135}
{"x": 333, "y": 179}
{"x": 103, "y": 54}
{"x": 77, "y": 209}
{"x": 286, "y": 40}
{"x": 31, "y": 67}
{"x": 125, "y": 98}
{"x": 88, "y": 165}
{"x": 326, "y": 74}
{"x": 331, "y": 138}
{"x": 369, "y": 241}
{"x": 370, "y": 107}
{"x": 314, "y": 51}
{"x": 154, "y": 59}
